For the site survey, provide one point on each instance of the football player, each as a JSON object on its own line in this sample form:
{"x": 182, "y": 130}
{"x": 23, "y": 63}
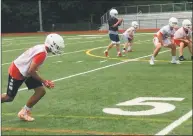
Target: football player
{"x": 128, "y": 37}
{"x": 114, "y": 23}
{"x": 24, "y": 69}
{"x": 163, "y": 38}
{"x": 183, "y": 38}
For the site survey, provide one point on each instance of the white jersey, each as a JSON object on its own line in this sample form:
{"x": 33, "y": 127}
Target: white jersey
{"x": 181, "y": 33}
{"x": 130, "y": 32}
{"x": 166, "y": 31}
{"x": 24, "y": 60}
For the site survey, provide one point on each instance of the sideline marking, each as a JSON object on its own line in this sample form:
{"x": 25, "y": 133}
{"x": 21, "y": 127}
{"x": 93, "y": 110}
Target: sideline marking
{"x": 64, "y": 131}
{"x": 175, "y": 124}
{"x": 93, "y": 117}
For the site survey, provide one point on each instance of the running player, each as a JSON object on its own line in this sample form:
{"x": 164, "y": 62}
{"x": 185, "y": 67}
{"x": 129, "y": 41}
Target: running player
{"x": 24, "y": 69}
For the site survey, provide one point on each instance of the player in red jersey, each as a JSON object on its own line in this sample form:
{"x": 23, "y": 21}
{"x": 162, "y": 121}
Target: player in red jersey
{"x": 163, "y": 38}
{"x": 183, "y": 38}
{"x": 24, "y": 69}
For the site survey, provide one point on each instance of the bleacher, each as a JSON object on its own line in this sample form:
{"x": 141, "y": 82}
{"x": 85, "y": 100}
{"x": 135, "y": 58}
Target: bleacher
{"x": 151, "y": 20}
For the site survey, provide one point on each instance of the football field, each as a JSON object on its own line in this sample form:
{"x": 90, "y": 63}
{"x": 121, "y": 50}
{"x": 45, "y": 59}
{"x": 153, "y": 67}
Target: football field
{"x": 95, "y": 95}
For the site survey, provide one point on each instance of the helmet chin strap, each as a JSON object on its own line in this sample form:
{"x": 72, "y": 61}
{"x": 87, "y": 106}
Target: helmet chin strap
{"x": 47, "y": 48}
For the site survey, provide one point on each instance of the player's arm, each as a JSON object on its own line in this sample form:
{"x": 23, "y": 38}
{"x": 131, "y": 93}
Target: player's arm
{"x": 183, "y": 40}
{"x": 130, "y": 32}
{"x": 32, "y": 71}
{"x": 160, "y": 38}
{"x": 118, "y": 22}
{"x": 189, "y": 38}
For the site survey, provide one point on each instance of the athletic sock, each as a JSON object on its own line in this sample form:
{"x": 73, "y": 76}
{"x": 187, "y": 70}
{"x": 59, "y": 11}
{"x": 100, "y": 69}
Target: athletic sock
{"x": 173, "y": 58}
{"x": 129, "y": 48}
{"x": 27, "y": 108}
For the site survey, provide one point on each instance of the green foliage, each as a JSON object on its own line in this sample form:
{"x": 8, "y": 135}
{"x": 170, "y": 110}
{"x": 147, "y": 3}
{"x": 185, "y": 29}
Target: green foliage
{"x": 19, "y": 13}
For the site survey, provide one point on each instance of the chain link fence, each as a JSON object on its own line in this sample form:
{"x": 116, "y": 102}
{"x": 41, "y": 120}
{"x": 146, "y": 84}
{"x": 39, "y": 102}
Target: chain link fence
{"x": 153, "y": 8}
{"x": 147, "y": 23}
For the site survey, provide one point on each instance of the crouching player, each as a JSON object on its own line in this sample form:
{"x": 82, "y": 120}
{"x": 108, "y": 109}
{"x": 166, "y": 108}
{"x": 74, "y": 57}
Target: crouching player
{"x": 183, "y": 38}
{"x": 114, "y": 23}
{"x": 163, "y": 38}
{"x": 128, "y": 37}
{"x": 24, "y": 69}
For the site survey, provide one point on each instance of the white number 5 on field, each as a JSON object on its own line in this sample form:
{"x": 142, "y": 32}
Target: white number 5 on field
{"x": 158, "y": 107}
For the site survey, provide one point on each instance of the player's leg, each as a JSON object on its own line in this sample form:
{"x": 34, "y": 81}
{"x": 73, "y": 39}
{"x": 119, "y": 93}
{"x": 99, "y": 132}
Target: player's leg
{"x": 118, "y": 45}
{"x": 181, "y": 51}
{"x": 173, "y": 53}
{"x": 108, "y": 48}
{"x": 25, "y": 113}
{"x": 126, "y": 44}
{"x": 118, "y": 50}
{"x": 12, "y": 89}
{"x": 113, "y": 42}
{"x": 156, "y": 50}
{"x": 190, "y": 49}
{"x": 129, "y": 49}
{"x": 38, "y": 94}
{"x": 172, "y": 46}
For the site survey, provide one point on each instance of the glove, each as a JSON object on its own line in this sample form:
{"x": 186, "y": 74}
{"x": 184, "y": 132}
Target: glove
{"x": 49, "y": 84}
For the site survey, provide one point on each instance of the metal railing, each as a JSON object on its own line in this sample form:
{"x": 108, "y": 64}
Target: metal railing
{"x": 146, "y": 24}
{"x": 153, "y": 8}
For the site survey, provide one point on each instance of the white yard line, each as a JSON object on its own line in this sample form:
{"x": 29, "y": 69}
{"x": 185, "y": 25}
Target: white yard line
{"x": 52, "y": 55}
{"x": 79, "y": 61}
{"x": 66, "y": 44}
{"x": 100, "y": 68}
{"x": 57, "y": 61}
{"x": 14, "y": 50}
{"x": 68, "y": 52}
{"x": 29, "y": 37}
{"x": 42, "y": 36}
{"x": 119, "y": 34}
{"x": 175, "y": 124}
{"x": 93, "y": 35}
{"x": 5, "y": 63}
{"x": 74, "y": 38}
{"x": 102, "y": 61}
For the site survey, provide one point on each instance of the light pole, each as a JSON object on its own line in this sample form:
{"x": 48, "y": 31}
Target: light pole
{"x": 40, "y": 15}
{"x": 91, "y": 18}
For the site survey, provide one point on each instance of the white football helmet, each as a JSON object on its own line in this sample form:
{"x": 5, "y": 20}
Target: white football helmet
{"x": 135, "y": 24}
{"x": 173, "y": 22}
{"x": 113, "y": 13}
{"x": 55, "y": 43}
{"x": 186, "y": 24}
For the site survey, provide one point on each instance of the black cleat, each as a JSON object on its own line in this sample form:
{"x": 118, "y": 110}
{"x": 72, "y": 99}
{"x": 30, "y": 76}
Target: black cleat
{"x": 181, "y": 58}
